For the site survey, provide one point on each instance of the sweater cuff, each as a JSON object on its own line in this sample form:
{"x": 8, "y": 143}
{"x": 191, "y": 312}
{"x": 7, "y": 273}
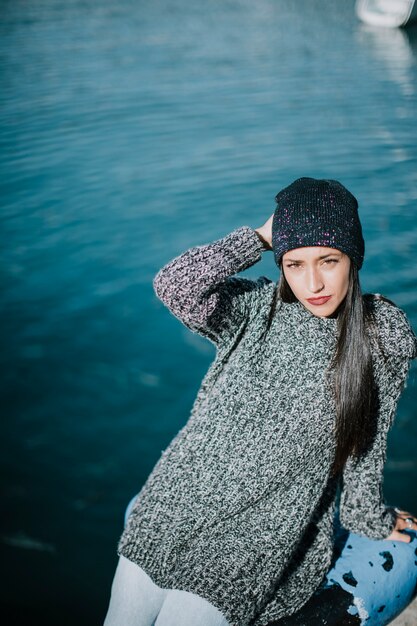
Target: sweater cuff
{"x": 379, "y": 528}
{"x": 246, "y": 247}
{"x": 388, "y": 521}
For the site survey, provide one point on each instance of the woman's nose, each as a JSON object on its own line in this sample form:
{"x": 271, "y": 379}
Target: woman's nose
{"x": 315, "y": 281}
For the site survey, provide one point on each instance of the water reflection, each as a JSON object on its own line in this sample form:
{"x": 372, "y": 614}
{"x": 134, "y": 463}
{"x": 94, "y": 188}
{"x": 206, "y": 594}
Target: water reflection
{"x": 392, "y": 46}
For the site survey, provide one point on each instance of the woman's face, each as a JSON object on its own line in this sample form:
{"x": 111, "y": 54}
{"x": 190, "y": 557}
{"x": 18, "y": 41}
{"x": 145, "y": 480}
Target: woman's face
{"x": 318, "y": 277}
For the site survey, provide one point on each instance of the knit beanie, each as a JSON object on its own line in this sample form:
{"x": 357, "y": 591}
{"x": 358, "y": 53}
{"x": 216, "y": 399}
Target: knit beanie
{"x": 317, "y": 212}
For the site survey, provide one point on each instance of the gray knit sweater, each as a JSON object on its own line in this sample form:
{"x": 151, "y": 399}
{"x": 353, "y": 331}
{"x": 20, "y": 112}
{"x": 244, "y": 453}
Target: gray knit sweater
{"x": 239, "y": 508}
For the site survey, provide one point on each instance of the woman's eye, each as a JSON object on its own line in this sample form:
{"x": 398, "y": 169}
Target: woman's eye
{"x": 297, "y": 265}
{"x": 326, "y": 261}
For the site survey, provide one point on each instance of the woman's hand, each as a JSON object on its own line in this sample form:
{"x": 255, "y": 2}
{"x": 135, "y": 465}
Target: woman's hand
{"x": 402, "y": 524}
{"x": 265, "y": 232}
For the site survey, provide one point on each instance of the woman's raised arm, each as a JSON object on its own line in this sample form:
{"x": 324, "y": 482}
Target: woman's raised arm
{"x": 199, "y": 286}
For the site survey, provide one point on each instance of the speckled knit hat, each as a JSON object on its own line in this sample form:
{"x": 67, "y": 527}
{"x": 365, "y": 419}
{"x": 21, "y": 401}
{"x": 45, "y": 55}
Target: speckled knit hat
{"x": 317, "y": 212}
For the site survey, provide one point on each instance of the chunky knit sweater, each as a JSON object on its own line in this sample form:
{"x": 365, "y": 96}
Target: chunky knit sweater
{"x": 240, "y": 506}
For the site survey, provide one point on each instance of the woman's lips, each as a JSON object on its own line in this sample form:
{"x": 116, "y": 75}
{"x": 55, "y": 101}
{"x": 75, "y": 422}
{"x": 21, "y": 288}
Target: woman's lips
{"x": 318, "y": 301}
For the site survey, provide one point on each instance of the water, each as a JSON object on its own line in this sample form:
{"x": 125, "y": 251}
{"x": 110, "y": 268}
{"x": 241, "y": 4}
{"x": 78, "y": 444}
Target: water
{"x": 130, "y": 132}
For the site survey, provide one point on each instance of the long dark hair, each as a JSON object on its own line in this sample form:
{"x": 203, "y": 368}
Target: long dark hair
{"x": 353, "y": 385}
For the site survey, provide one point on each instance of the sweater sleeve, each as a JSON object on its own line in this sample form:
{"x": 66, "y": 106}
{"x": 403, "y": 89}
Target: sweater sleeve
{"x": 363, "y": 509}
{"x": 199, "y": 288}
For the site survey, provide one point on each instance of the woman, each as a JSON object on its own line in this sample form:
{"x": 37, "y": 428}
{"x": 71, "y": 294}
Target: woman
{"x": 235, "y": 523}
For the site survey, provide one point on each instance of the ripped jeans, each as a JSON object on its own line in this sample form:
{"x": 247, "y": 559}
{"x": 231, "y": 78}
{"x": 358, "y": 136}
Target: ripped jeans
{"x": 369, "y": 583}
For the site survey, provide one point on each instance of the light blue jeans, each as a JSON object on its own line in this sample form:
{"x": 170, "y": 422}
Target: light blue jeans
{"x": 136, "y": 601}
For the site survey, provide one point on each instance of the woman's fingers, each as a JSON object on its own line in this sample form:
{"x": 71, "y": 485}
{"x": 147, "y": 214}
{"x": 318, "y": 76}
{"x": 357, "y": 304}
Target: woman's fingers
{"x": 397, "y": 536}
{"x": 406, "y": 516}
{"x": 406, "y": 522}
{"x": 266, "y": 231}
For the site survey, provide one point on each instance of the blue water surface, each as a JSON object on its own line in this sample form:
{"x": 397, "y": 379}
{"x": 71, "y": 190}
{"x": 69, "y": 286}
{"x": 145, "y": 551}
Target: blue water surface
{"x": 131, "y": 131}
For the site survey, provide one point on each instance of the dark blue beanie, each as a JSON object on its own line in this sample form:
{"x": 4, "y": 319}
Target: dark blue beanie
{"x": 317, "y": 212}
